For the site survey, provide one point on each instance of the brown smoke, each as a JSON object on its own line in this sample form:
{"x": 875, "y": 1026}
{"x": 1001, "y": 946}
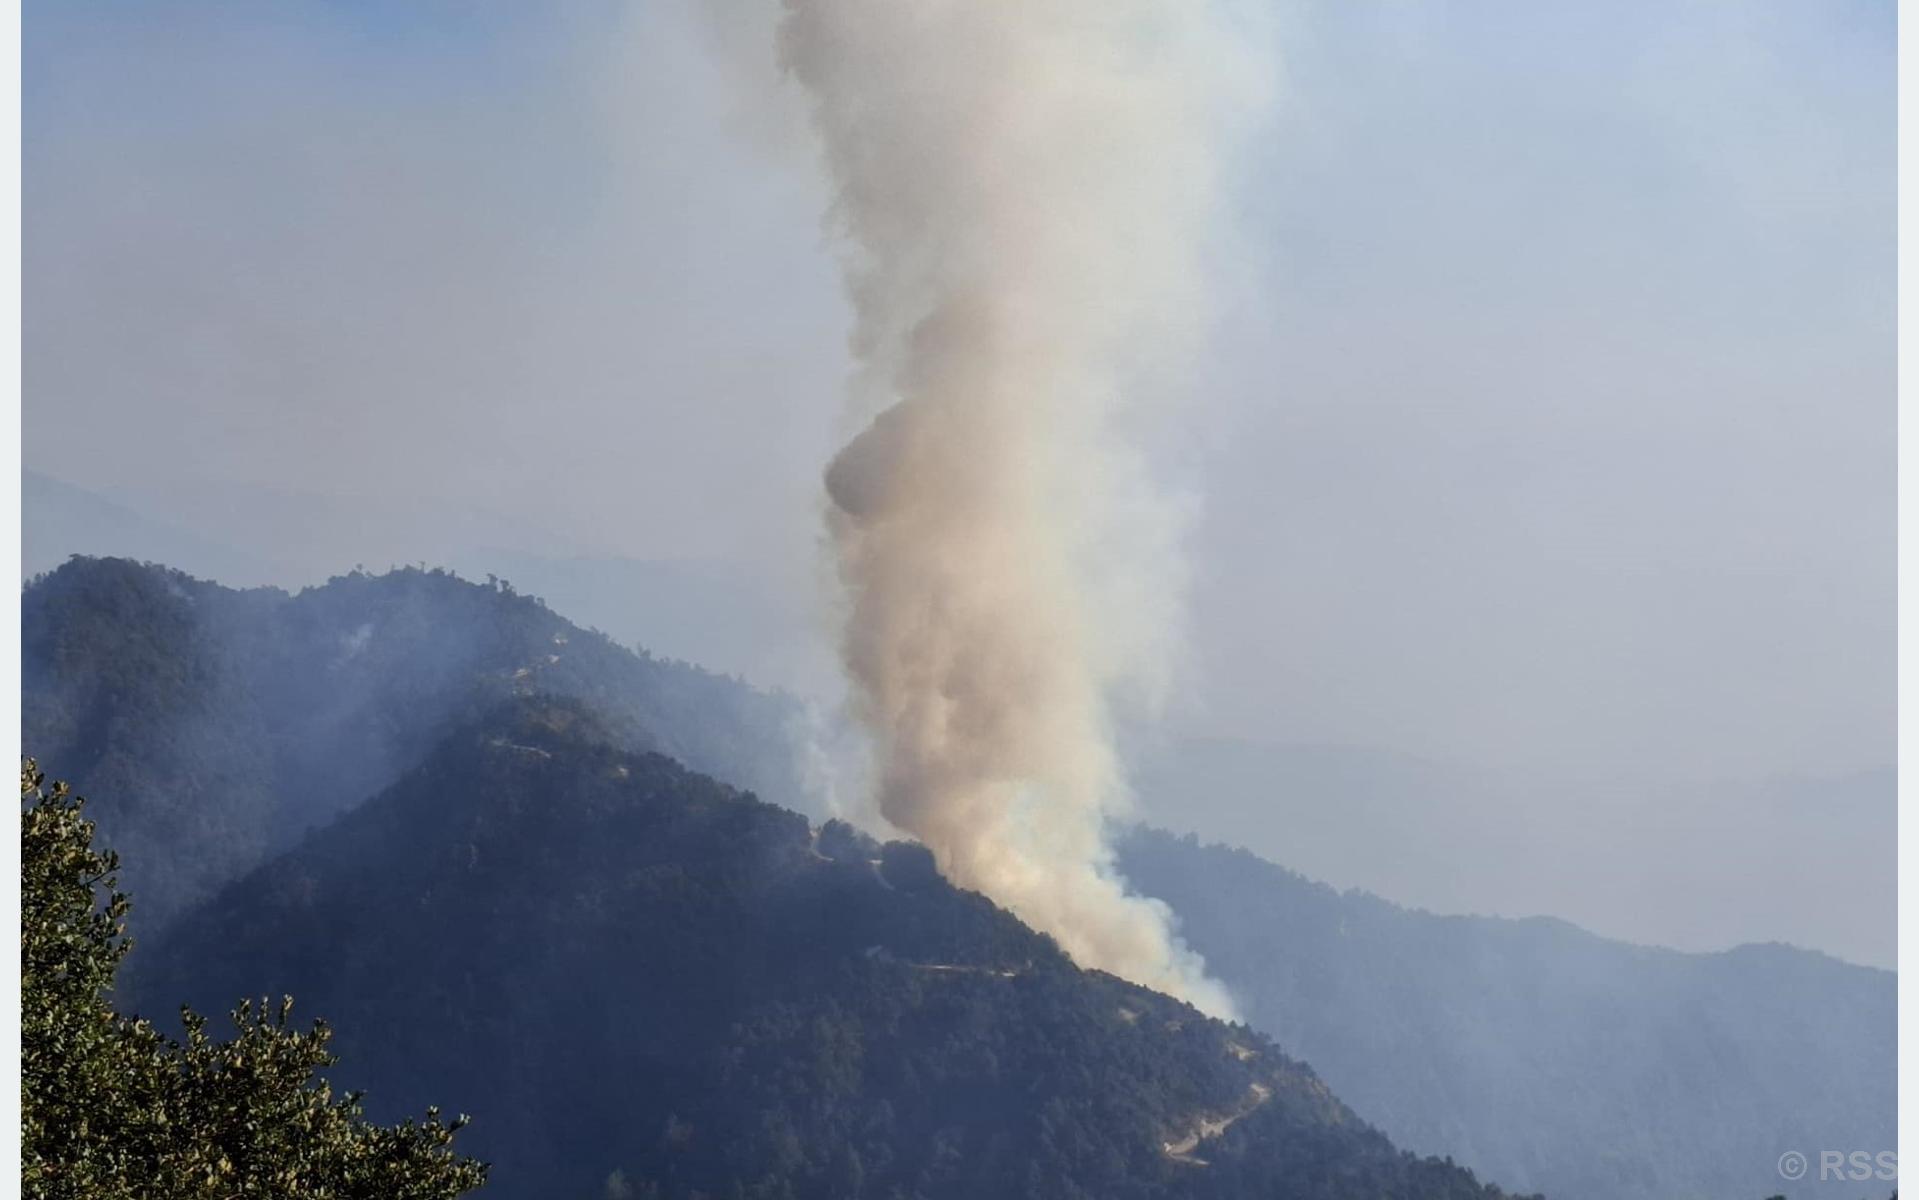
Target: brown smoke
{"x": 1021, "y": 188}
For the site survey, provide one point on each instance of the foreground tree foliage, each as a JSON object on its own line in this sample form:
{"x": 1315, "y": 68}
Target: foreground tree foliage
{"x": 111, "y": 1108}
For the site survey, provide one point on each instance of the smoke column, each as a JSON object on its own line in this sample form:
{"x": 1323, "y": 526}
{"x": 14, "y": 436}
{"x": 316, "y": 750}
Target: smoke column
{"x": 1020, "y": 189}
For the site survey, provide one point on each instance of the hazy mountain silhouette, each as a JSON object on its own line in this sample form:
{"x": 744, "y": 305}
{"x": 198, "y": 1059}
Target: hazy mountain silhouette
{"x": 1537, "y": 1053}
{"x": 213, "y": 726}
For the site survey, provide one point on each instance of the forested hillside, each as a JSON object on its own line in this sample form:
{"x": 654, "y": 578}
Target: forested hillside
{"x": 214, "y": 726}
{"x": 1537, "y": 1053}
{"x": 637, "y": 978}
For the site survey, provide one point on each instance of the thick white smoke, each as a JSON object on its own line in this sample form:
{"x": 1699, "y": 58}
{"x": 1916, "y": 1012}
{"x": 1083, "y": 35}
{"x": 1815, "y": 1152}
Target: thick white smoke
{"x": 1021, "y": 188}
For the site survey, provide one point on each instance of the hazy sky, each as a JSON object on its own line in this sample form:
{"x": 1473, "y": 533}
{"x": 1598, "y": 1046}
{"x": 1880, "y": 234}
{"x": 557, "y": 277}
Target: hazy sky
{"x": 1549, "y": 424}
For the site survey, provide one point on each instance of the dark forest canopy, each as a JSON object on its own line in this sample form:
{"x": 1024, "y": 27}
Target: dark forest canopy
{"x": 631, "y": 973}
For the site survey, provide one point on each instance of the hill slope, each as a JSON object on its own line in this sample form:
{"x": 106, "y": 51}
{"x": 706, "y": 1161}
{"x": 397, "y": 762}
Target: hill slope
{"x": 621, "y": 966}
{"x": 214, "y": 726}
{"x": 1537, "y": 1053}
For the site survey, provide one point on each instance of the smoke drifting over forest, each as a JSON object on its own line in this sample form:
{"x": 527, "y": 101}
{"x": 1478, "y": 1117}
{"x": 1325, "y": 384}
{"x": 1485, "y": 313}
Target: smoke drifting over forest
{"x": 1022, "y": 194}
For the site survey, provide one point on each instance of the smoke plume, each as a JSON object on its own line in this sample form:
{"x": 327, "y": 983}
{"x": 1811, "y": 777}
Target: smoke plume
{"x": 1020, "y": 193}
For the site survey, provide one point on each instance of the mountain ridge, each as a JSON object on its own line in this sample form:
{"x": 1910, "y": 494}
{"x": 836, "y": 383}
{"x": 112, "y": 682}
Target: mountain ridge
{"x": 739, "y": 997}
{"x": 127, "y": 650}
{"x": 214, "y": 724}
{"x": 1510, "y": 1042}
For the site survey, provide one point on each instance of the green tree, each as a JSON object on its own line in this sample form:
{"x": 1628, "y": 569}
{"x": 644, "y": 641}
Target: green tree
{"x": 113, "y": 1110}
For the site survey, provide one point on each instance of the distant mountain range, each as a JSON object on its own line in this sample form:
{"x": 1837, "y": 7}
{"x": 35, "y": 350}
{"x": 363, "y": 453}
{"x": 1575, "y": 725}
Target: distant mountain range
{"x": 1536, "y": 1053}
{"x": 60, "y": 519}
{"x": 443, "y": 816}
{"x": 712, "y": 612}
{"x": 1694, "y": 864}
